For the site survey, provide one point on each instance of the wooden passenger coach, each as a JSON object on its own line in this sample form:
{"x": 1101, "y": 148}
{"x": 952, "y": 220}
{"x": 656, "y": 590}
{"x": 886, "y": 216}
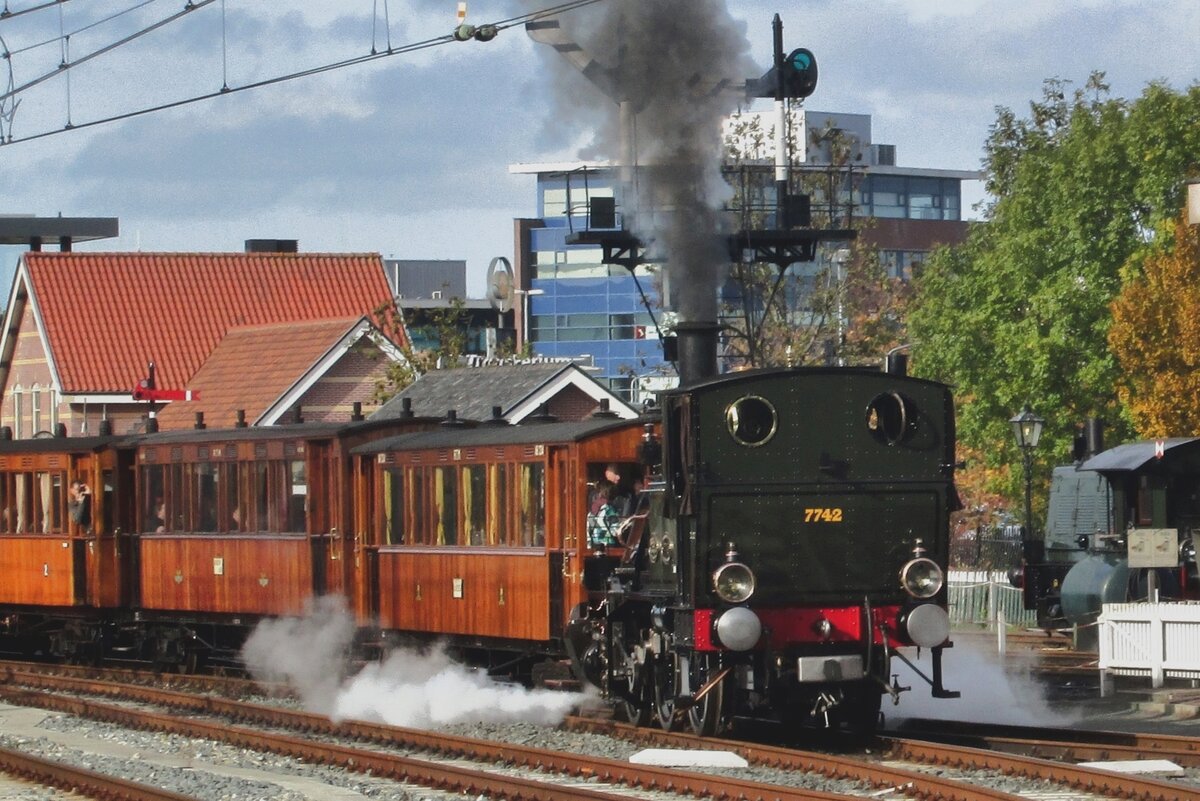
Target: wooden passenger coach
{"x": 250, "y": 521}
{"x": 46, "y": 559}
{"x": 481, "y": 532}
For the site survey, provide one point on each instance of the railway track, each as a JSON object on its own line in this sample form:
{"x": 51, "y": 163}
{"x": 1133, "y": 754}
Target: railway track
{"x": 1063, "y": 745}
{"x": 909, "y": 768}
{"x": 1067, "y": 777}
{"x": 81, "y": 782}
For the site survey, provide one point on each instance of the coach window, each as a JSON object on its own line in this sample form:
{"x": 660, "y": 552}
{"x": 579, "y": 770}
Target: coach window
{"x": 533, "y": 504}
{"x": 497, "y": 508}
{"x": 237, "y": 518}
{"x": 24, "y": 502}
{"x": 393, "y": 506}
{"x": 419, "y": 530}
{"x": 205, "y": 506}
{"x": 50, "y": 485}
{"x": 474, "y": 494}
{"x": 445, "y": 496}
{"x": 262, "y": 497}
{"x": 177, "y": 518}
{"x": 297, "y": 495}
{"x": 153, "y": 513}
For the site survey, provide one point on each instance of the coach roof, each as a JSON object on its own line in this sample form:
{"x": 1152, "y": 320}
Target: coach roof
{"x": 526, "y": 433}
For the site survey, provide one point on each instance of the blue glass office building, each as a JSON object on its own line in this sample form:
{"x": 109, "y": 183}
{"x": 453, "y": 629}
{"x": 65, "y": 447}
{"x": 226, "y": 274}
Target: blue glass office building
{"x": 578, "y": 306}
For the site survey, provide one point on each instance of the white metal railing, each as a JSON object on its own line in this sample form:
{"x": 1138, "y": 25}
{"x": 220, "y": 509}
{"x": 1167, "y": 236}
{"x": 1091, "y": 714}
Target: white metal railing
{"x": 986, "y": 597}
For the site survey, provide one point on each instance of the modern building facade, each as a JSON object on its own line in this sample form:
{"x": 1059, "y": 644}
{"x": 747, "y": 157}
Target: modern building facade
{"x": 576, "y": 304}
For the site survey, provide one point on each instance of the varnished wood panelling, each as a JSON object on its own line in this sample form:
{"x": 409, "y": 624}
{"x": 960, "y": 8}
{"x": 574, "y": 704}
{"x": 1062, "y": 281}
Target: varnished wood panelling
{"x": 104, "y": 556}
{"x": 503, "y": 594}
{"x": 36, "y": 570}
{"x": 254, "y": 575}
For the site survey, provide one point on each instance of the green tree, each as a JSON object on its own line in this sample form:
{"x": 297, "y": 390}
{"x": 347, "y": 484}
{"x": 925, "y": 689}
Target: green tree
{"x": 1020, "y": 313}
{"x": 444, "y": 331}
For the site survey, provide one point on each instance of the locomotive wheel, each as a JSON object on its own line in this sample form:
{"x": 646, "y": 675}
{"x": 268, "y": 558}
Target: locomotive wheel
{"x": 634, "y": 689}
{"x": 663, "y": 676}
{"x": 705, "y": 717}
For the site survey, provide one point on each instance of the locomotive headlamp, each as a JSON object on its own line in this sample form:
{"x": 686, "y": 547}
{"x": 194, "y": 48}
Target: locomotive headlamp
{"x": 922, "y": 578}
{"x": 733, "y": 582}
{"x": 1187, "y": 550}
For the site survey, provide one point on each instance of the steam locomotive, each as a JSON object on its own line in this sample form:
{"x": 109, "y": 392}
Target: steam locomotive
{"x": 791, "y": 539}
{"x": 795, "y": 540}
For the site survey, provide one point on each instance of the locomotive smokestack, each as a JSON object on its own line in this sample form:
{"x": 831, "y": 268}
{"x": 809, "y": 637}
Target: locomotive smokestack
{"x": 697, "y": 351}
{"x": 1094, "y": 432}
{"x": 896, "y": 364}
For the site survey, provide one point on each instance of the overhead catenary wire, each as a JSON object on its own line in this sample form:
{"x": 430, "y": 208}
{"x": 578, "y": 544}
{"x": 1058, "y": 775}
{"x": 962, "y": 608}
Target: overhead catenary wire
{"x": 6, "y": 14}
{"x": 67, "y": 65}
{"x": 88, "y": 27}
{"x": 228, "y": 90}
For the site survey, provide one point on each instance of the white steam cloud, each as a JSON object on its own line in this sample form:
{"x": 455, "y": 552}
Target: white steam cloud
{"x": 409, "y": 688}
{"x": 994, "y": 689}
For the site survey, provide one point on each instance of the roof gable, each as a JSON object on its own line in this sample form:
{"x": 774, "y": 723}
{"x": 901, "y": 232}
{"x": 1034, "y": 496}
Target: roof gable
{"x": 518, "y": 389}
{"x": 107, "y": 315}
{"x": 262, "y": 370}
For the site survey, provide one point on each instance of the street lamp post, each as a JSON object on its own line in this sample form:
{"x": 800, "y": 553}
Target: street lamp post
{"x": 525, "y": 293}
{"x": 1027, "y": 427}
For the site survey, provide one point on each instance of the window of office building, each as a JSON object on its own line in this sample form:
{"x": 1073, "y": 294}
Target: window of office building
{"x": 589, "y": 327}
{"x": 911, "y": 197}
{"x": 902, "y": 263}
{"x": 573, "y": 195}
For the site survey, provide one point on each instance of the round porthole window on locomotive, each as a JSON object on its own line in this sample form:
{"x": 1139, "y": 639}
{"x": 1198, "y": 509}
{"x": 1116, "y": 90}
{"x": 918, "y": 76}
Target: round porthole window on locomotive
{"x": 889, "y": 418}
{"x": 751, "y": 420}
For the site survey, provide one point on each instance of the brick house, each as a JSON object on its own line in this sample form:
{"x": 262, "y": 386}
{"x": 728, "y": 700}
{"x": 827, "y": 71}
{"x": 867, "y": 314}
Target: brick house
{"x": 81, "y": 329}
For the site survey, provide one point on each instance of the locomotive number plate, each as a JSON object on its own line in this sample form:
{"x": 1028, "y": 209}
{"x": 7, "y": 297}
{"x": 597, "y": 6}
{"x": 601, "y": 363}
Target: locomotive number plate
{"x": 820, "y": 514}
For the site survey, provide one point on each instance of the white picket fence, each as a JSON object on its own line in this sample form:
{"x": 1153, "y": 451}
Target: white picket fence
{"x": 986, "y": 597}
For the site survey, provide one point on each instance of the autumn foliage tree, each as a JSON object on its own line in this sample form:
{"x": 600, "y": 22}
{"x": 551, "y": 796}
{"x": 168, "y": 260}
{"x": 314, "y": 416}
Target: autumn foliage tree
{"x": 1155, "y": 336}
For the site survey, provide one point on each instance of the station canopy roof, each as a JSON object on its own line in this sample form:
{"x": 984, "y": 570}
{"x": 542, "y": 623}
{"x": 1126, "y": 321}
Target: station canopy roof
{"x": 1134, "y": 456}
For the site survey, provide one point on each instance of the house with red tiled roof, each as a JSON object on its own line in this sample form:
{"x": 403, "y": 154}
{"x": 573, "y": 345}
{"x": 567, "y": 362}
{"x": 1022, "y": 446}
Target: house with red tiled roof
{"x": 260, "y": 375}
{"x": 81, "y": 328}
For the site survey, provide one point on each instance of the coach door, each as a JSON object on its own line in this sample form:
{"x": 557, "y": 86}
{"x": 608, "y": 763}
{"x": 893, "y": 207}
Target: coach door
{"x": 321, "y": 507}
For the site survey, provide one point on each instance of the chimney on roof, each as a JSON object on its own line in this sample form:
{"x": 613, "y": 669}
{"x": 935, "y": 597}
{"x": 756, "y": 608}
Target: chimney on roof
{"x": 297, "y": 415}
{"x": 356, "y": 414}
{"x": 241, "y": 419}
{"x": 200, "y": 421}
{"x": 406, "y": 410}
{"x": 106, "y": 428}
{"x": 604, "y": 412}
{"x": 272, "y": 245}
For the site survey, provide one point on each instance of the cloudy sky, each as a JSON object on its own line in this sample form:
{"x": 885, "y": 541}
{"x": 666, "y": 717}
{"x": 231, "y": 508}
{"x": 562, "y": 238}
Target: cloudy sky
{"x": 409, "y": 155}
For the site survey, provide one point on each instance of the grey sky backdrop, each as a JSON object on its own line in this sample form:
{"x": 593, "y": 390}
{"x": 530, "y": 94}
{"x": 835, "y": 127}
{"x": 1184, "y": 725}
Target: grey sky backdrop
{"x": 409, "y": 155}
